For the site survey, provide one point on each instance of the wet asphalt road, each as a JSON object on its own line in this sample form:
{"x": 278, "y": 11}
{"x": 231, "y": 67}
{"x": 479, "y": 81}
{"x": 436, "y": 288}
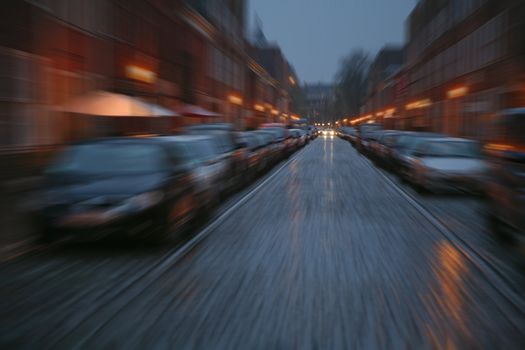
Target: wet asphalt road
{"x": 328, "y": 254}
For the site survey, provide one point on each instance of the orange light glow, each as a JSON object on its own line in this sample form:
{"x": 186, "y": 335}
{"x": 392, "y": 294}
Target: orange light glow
{"x": 390, "y": 112}
{"x": 419, "y": 104}
{"x": 236, "y": 100}
{"x": 258, "y": 107}
{"x": 275, "y": 111}
{"x": 140, "y": 74}
{"x": 498, "y": 147}
{"x": 457, "y": 92}
{"x": 362, "y": 119}
{"x": 292, "y": 80}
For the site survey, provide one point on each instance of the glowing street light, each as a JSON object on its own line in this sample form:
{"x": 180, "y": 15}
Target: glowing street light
{"x": 258, "y": 107}
{"x": 457, "y": 92}
{"x": 236, "y": 100}
{"x": 140, "y": 74}
{"x": 419, "y": 104}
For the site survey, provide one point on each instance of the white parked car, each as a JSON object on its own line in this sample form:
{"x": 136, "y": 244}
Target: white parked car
{"x": 444, "y": 164}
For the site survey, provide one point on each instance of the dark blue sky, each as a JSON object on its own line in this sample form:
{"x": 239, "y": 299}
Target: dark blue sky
{"x": 316, "y": 34}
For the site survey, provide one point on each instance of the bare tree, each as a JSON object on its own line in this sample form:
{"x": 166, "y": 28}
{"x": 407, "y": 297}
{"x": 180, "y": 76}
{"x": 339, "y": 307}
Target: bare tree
{"x": 351, "y": 81}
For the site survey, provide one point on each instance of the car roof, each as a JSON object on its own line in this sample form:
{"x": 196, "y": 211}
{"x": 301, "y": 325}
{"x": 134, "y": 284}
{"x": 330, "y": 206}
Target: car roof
{"x": 424, "y": 134}
{"x": 219, "y": 126}
{"x": 185, "y": 138}
{"x": 118, "y": 140}
{"x": 451, "y": 139}
{"x": 514, "y": 111}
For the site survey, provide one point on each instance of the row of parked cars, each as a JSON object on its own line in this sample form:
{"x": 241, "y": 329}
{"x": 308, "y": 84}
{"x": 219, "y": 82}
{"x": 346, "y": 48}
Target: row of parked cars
{"x": 153, "y": 186}
{"x": 433, "y": 162}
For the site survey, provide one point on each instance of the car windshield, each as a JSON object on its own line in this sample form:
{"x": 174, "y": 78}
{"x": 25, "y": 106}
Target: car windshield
{"x": 109, "y": 158}
{"x": 369, "y": 129}
{"x": 279, "y": 132}
{"x": 405, "y": 141}
{"x": 389, "y": 139}
{"x": 452, "y": 149}
{"x": 250, "y": 141}
{"x": 221, "y": 138}
{"x": 202, "y": 150}
{"x": 408, "y": 143}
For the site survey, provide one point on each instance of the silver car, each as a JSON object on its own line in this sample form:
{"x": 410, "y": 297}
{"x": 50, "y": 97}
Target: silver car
{"x": 444, "y": 164}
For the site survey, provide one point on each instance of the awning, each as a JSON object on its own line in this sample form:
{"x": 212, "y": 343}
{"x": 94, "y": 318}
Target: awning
{"x": 103, "y": 103}
{"x": 196, "y": 111}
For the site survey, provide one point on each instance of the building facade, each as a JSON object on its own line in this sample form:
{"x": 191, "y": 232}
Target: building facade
{"x": 167, "y": 52}
{"x": 319, "y": 98}
{"x": 464, "y": 63}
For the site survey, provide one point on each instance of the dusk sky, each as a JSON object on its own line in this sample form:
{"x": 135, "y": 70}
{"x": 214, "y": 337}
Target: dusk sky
{"x": 315, "y": 34}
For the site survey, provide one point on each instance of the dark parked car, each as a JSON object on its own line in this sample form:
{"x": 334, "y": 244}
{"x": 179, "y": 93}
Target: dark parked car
{"x": 224, "y": 137}
{"x": 254, "y": 153}
{"x": 381, "y": 146}
{"x": 366, "y": 133}
{"x": 282, "y": 137}
{"x": 505, "y": 187}
{"x": 349, "y": 134}
{"x": 208, "y": 169}
{"x": 118, "y": 187}
{"x": 300, "y": 138}
{"x": 272, "y": 150}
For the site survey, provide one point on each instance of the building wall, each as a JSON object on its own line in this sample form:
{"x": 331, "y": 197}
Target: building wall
{"x": 474, "y": 47}
{"x": 53, "y": 50}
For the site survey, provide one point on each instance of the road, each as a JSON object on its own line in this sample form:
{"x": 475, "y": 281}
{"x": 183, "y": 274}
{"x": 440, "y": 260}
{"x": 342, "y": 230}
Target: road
{"x": 327, "y": 253}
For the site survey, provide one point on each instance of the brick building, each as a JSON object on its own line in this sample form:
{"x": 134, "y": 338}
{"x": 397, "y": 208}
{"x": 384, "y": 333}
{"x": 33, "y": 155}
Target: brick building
{"x": 167, "y": 52}
{"x": 465, "y": 61}
{"x": 380, "y": 97}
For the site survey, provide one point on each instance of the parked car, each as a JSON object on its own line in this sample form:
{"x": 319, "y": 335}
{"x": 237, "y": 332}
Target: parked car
{"x": 366, "y": 133}
{"x": 402, "y": 149}
{"x": 254, "y": 153}
{"x": 506, "y": 179}
{"x": 282, "y": 139}
{"x": 312, "y": 133}
{"x": 115, "y": 187}
{"x": 447, "y": 164}
{"x": 272, "y": 150}
{"x": 224, "y": 138}
{"x": 349, "y": 134}
{"x": 381, "y": 146}
{"x": 299, "y": 136}
{"x": 209, "y": 170}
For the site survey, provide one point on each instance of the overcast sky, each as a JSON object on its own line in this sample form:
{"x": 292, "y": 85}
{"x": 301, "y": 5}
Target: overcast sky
{"x": 315, "y": 34}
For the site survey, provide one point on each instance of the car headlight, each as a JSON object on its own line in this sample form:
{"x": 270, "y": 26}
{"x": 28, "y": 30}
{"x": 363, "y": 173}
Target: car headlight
{"x": 139, "y": 202}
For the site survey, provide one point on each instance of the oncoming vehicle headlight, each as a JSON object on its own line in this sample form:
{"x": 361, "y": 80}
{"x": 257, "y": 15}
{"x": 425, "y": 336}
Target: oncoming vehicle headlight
{"x": 332, "y": 133}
